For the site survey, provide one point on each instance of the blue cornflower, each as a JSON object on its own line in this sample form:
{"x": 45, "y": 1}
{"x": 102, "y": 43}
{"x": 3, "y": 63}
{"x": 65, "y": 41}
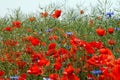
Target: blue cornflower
{"x": 67, "y": 47}
{"x": 13, "y": 77}
{"x": 117, "y": 29}
{"x": 96, "y": 72}
{"x": 69, "y": 33}
{"x": 48, "y": 30}
{"x": 109, "y": 14}
{"x": 46, "y": 78}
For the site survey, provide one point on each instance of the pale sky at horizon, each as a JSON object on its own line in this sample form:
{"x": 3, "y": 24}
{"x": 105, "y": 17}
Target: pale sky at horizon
{"x": 32, "y": 6}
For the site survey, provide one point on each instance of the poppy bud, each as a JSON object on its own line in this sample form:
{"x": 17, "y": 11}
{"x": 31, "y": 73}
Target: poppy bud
{"x": 110, "y": 30}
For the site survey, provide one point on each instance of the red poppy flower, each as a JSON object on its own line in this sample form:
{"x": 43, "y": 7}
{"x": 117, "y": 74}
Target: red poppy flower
{"x": 96, "y": 44}
{"x": 77, "y": 42}
{"x": 62, "y": 51}
{"x": 89, "y": 49}
{"x": 73, "y": 50}
{"x": 35, "y": 70}
{"x": 2, "y": 72}
{"x": 37, "y": 56}
{"x": 57, "y": 65}
{"x": 64, "y": 77}
{"x": 77, "y": 70}
{"x": 44, "y": 14}
{"x": 103, "y": 51}
{"x": 43, "y": 62}
{"x": 10, "y": 42}
{"x": 17, "y": 54}
{"x": 30, "y": 38}
{"x": 16, "y": 24}
{"x": 68, "y": 70}
{"x": 101, "y": 77}
{"x": 22, "y": 77}
{"x": 51, "y": 46}
{"x": 31, "y": 19}
{"x": 100, "y": 32}
{"x": 111, "y": 42}
{"x": 35, "y": 42}
{"x": 54, "y": 76}
{"x": 117, "y": 61}
{"x": 53, "y": 37}
{"x": 90, "y": 77}
{"x": 56, "y": 14}
{"x": 97, "y": 60}
{"x": 28, "y": 49}
{"x": 110, "y": 30}
{"x": 73, "y": 77}
{"x": 105, "y": 58}
{"x": 52, "y": 52}
{"x": 116, "y": 72}
{"x": 21, "y": 64}
{"x": 4, "y": 78}
{"x": 106, "y": 73}
{"x": 8, "y": 28}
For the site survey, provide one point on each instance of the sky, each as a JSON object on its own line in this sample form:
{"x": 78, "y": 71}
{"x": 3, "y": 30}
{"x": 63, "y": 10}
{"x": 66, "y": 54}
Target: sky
{"x": 32, "y": 6}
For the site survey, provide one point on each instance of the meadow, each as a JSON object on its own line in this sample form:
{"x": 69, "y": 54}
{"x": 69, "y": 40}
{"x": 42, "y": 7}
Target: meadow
{"x": 60, "y": 45}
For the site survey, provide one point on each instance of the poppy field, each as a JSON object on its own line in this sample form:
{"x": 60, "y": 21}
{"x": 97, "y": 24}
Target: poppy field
{"x": 48, "y": 47}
